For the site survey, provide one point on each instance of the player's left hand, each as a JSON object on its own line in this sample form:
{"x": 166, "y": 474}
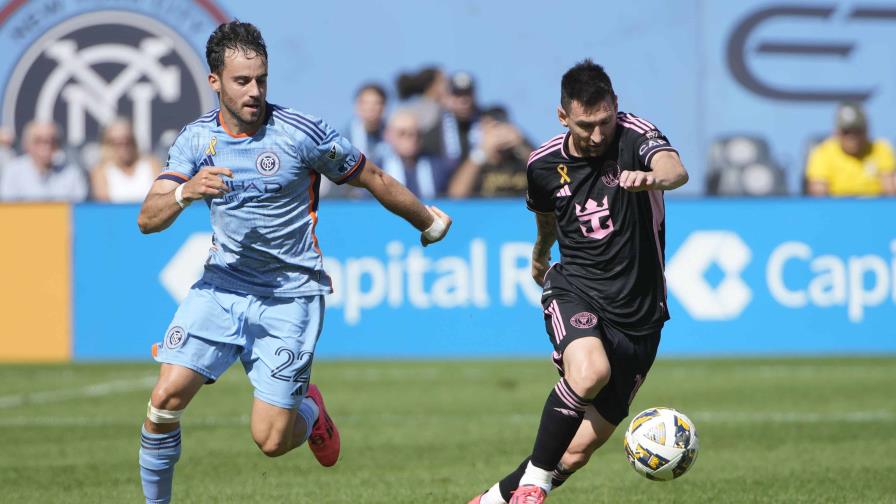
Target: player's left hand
{"x": 635, "y": 181}
{"x": 437, "y": 230}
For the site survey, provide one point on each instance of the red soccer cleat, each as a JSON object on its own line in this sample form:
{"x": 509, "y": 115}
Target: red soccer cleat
{"x": 324, "y": 438}
{"x": 528, "y": 494}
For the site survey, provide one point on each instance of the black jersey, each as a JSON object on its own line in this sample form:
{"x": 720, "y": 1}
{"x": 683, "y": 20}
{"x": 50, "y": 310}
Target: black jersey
{"x": 612, "y": 241}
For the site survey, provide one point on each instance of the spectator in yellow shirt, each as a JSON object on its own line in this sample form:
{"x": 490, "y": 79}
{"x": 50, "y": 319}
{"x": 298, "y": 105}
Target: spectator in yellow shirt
{"x": 849, "y": 163}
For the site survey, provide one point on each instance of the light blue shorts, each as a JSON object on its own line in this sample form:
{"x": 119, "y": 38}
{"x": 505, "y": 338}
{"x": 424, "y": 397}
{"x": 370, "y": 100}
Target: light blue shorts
{"x": 273, "y": 337}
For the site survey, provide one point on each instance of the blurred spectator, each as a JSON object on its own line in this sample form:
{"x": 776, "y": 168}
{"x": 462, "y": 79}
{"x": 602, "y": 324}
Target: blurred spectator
{"x": 849, "y": 163}
{"x": 742, "y": 165}
{"x": 42, "y": 173}
{"x": 7, "y": 138}
{"x": 423, "y": 93}
{"x": 426, "y": 176}
{"x": 122, "y": 175}
{"x": 365, "y": 131}
{"x": 497, "y": 167}
{"x": 459, "y": 130}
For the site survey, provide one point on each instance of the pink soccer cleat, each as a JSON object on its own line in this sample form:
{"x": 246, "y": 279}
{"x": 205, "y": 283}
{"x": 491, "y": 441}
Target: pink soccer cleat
{"x": 324, "y": 438}
{"x": 528, "y": 494}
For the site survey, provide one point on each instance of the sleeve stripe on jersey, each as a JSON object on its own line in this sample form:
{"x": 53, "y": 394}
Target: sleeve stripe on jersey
{"x": 316, "y": 130}
{"x": 354, "y": 171}
{"x": 630, "y": 125}
{"x": 653, "y": 152}
{"x": 641, "y": 120}
{"x": 546, "y": 151}
{"x": 304, "y": 119}
{"x": 180, "y": 178}
{"x": 553, "y": 143}
{"x": 304, "y": 129}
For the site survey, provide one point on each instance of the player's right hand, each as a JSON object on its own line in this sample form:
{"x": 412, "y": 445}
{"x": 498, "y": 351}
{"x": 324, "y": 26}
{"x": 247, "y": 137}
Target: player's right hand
{"x": 540, "y": 267}
{"x": 427, "y": 238}
{"x": 207, "y": 183}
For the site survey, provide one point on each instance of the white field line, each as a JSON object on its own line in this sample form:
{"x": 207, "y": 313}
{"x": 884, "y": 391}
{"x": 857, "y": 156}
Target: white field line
{"x": 93, "y": 390}
{"x": 700, "y": 418}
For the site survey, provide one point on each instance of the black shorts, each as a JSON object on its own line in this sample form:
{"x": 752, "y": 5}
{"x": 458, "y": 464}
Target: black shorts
{"x": 568, "y": 316}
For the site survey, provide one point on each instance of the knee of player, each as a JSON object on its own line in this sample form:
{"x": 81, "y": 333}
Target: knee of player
{"x": 273, "y": 447}
{"x": 588, "y": 378}
{"x": 167, "y": 399}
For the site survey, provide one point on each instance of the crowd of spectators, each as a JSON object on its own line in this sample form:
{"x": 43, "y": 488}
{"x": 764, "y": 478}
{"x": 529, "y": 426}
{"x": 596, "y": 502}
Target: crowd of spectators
{"x": 441, "y": 142}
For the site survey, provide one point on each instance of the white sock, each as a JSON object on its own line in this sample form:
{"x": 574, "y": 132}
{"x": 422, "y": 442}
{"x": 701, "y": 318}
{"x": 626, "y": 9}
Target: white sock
{"x": 493, "y": 496}
{"x": 309, "y": 411}
{"x": 536, "y": 476}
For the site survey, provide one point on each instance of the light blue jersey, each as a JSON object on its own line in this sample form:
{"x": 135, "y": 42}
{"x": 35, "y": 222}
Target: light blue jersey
{"x": 264, "y": 242}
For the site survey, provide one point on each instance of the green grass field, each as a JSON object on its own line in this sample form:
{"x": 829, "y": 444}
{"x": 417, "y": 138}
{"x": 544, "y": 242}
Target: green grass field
{"x": 794, "y": 430}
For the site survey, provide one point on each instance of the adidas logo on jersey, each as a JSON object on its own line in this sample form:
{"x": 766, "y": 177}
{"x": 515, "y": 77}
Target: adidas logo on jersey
{"x": 564, "y": 191}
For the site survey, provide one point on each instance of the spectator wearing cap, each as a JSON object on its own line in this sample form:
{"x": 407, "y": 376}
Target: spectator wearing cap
{"x": 426, "y": 176}
{"x": 458, "y": 131}
{"x": 42, "y": 173}
{"x": 496, "y": 167}
{"x": 849, "y": 163}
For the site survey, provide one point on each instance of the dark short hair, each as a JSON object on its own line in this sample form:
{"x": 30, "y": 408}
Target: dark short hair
{"x": 586, "y": 83}
{"x": 235, "y": 36}
{"x": 372, "y": 86}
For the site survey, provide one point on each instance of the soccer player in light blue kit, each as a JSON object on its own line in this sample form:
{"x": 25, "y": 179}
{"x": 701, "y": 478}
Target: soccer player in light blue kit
{"x": 260, "y": 300}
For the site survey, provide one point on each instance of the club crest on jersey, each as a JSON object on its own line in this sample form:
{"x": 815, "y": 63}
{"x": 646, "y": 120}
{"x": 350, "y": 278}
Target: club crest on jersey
{"x": 267, "y": 163}
{"x": 175, "y": 338}
{"x": 583, "y": 320}
{"x": 611, "y": 173}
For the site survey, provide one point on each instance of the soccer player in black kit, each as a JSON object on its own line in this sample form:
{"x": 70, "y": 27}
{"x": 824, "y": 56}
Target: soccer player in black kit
{"x": 598, "y": 190}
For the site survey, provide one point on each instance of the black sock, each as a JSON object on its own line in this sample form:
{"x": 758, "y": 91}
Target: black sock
{"x": 560, "y": 475}
{"x": 512, "y": 481}
{"x": 562, "y": 415}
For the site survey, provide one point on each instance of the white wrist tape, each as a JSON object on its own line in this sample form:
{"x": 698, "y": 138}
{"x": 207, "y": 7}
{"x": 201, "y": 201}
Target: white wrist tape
{"x": 179, "y": 197}
{"x": 436, "y": 229}
{"x": 160, "y": 416}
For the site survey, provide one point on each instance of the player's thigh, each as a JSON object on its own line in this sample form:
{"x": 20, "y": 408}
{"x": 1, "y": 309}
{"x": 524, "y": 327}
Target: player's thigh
{"x": 204, "y": 334}
{"x": 281, "y": 337}
{"x": 573, "y": 329}
{"x": 631, "y": 357}
{"x": 176, "y": 387}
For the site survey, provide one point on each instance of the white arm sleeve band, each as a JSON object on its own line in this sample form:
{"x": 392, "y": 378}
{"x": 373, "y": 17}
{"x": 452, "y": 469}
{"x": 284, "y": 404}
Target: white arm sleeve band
{"x": 436, "y": 230}
{"x": 161, "y": 416}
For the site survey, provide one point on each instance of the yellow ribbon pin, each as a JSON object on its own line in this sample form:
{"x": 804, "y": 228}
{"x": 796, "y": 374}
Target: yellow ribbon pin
{"x": 211, "y": 146}
{"x": 564, "y": 178}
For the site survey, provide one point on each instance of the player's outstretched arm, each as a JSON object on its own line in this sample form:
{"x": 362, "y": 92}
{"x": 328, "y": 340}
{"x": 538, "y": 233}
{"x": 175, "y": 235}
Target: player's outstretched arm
{"x": 666, "y": 173}
{"x": 167, "y": 198}
{"x": 541, "y": 252}
{"x": 432, "y": 222}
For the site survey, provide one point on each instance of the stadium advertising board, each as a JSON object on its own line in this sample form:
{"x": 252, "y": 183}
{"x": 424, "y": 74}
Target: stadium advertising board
{"x": 745, "y": 276}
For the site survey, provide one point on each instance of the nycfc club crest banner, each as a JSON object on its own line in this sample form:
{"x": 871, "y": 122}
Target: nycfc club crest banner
{"x": 81, "y": 64}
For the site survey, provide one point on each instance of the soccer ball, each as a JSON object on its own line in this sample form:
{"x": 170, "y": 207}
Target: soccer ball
{"x": 661, "y": 444}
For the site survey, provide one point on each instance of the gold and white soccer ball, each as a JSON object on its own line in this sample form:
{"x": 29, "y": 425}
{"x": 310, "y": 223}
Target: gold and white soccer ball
{"x": 661, "y": 443}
